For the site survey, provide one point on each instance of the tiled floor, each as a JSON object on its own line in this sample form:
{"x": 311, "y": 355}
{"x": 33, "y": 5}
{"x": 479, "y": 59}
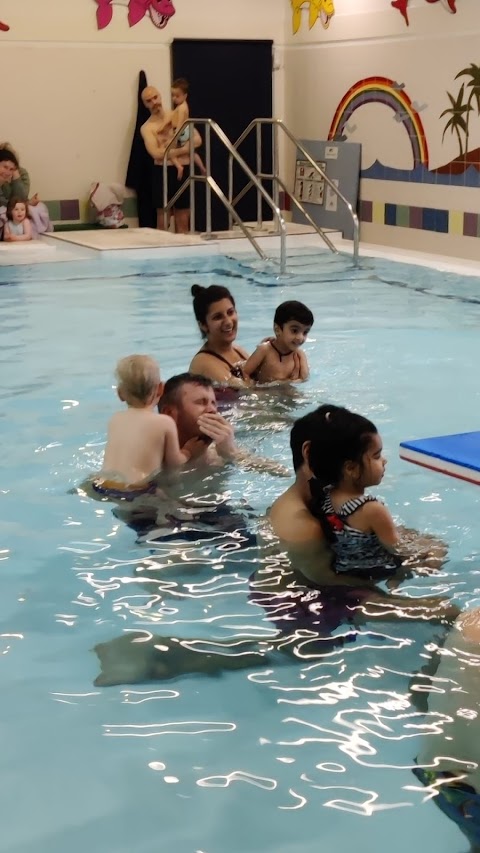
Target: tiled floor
{"x": 150, "y": 238}
{"x": 41, "y": 251}
{"x": 127, "y": 238}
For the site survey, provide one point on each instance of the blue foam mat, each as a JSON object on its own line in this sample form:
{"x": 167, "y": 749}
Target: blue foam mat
{"x": 460, "y": 449}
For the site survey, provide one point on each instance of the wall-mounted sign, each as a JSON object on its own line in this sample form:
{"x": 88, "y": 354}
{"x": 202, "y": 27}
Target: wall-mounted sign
{"x": 309, "y": 184}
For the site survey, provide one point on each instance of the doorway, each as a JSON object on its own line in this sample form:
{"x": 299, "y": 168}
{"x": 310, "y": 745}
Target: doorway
{"x": 230, "y": 82}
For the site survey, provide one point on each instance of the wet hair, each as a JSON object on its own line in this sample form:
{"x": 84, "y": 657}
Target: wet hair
{"x": 7, "y": 156}
{"x": 174, "y": 385}
{"x": 11, "y": 204}
{"x": 339, "y": 436}
{"x": 182, "y": 84}
{"x": 293, "y": 310}
{"x": 203, "y": 297}
{"x": 138, "y": 378}
{"x": 304, "y": 429}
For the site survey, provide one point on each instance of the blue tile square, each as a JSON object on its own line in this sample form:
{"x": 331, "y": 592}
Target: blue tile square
{"x": 390, "y": 214}
{"x": 435, "y": 220}
{"x": 441, "y": 221}
{"x": 428, "y": 219}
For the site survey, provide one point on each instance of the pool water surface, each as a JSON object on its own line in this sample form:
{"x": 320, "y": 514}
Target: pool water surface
{"x": 302, "y": 755}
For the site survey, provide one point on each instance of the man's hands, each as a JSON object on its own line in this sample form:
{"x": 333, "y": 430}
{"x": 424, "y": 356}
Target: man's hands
{"x": 193, "y": 448}
{"x": 221, "y": 432}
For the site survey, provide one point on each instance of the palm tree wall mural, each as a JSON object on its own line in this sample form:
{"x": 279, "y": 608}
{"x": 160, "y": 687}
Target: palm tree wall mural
{"x": 457, "y": 123}
{"x": 462, "y": 109}
{"x": 473, "y": 71}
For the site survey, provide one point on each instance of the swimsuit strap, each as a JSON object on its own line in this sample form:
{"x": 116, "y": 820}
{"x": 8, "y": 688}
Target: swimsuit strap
{"x": 281, "y": 354}
{"x": 351, "y": 506}
{"x": 346, "y": 509}
{"x": 235, "y": 369}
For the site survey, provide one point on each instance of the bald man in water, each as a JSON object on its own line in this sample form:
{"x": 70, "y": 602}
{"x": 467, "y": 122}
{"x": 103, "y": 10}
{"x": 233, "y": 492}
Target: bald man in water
{"x": 153, "y": 127}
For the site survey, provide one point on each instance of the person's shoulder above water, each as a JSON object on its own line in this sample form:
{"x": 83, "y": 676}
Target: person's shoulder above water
{"x": 292, "y": 521}
{"x": 218, "y": 368}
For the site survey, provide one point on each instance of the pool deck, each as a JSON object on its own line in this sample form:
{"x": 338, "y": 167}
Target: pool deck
{"x": 148, "y": 243}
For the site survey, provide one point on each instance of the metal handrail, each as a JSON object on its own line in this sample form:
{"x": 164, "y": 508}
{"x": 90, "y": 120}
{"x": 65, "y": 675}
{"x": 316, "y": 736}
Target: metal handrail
{"x": 278, "y": 123}
{"x": 211, "y": 125}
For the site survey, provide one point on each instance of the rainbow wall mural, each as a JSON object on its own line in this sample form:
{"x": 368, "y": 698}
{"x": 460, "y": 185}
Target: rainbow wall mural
{"x": 381, "y": 90}
{"x": 463, "y": 171}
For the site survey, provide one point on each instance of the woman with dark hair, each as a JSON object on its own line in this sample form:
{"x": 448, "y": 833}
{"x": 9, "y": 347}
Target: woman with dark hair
{"x": 216, "y": 315}
{"x": 15, "y": 183}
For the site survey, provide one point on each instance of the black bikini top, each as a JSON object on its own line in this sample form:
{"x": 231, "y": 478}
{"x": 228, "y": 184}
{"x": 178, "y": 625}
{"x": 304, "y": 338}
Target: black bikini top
{"x": 235, "y": 369}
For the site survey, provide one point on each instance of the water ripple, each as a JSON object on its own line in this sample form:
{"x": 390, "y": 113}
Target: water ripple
{"x": 193, "y": 727}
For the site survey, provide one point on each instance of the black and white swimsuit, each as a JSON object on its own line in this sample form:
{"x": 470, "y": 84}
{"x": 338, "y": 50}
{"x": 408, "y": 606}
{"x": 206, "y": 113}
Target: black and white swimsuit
{"x": 355, "y": 551}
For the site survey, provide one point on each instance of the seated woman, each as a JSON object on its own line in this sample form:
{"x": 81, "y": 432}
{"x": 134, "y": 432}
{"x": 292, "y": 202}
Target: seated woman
{"x": 216, "y": 315}
{"x": 17, "y": 185}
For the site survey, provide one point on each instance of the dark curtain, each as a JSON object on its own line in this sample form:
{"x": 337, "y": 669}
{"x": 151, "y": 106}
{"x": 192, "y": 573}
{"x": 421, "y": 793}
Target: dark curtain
{"x": 140, "y": 166}
{"x": 230, "y": 82}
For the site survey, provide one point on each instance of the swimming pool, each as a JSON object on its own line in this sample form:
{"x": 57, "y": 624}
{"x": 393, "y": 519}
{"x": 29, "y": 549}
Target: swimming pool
{"x": 303, "y": 755}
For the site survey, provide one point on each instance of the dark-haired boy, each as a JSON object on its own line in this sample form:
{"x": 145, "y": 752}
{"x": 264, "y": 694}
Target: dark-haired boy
{"x": 281, "y": 359}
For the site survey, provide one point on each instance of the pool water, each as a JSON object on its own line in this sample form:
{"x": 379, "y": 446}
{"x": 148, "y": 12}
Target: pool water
{"x": 303, "y": 755}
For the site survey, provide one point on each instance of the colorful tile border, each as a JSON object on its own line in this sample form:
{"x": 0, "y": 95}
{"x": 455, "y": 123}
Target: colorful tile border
{"x": 424, "y": 218}
{"x": 74, "y": 210}
{"x": 453, "y": 222}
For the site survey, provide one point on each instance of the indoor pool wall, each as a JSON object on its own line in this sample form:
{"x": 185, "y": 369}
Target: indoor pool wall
{"x": 250, "y": 761}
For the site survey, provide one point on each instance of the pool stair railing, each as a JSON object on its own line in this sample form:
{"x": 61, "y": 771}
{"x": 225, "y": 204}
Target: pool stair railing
{"x": 278, "y": 127}
{"x": 253, "y": 180}
{"x": 210, "y": 126}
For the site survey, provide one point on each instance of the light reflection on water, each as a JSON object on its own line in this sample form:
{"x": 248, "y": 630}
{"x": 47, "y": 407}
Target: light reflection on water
{"x": 303, "y": 723}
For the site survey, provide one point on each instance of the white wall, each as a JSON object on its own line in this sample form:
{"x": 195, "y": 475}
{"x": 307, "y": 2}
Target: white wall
{"x": 367, "y": 38}
{"x": 69, "y": 91}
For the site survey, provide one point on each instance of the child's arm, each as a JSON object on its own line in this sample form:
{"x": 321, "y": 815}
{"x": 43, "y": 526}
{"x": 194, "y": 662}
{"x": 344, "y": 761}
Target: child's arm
{"x": 173, "y": 456}
{"x": 255, "y": 361}
{"x": 27, "y": 230}
{"x": 179, "y": 115}
{"x": 304, "y": 372}
{"x": 381, "y": 523}
{"x": 15, "y": 238}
